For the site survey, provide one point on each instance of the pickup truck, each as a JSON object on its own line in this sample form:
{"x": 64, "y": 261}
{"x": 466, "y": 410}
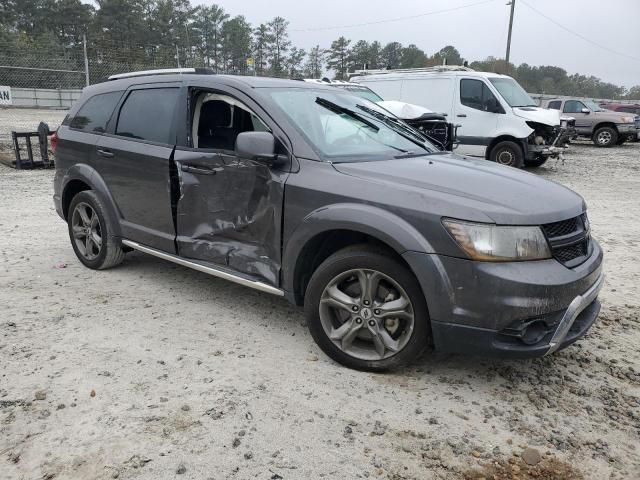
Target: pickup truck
{"x": 604, "y": 127}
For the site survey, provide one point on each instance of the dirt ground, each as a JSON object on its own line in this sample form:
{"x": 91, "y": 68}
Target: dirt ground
{"x": 155, "y": 371}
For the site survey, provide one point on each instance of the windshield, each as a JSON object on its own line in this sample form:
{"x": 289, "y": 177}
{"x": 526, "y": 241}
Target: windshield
{"x": 593, "y": 106}
{"x": 362, "y": 92}
{"x": 512, "y": 92}
{"x": 345, "y": 128}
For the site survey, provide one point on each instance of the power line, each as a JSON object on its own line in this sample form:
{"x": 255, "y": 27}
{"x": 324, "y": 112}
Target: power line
{"x": 389, "y": 20}
{"x": 586, "y": 39}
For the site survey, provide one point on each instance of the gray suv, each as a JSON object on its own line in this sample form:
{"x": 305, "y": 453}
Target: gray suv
{"x": 322, "y": 197}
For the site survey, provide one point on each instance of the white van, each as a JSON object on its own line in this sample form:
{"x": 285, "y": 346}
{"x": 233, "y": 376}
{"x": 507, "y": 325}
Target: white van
{"x": 498, "y": 119}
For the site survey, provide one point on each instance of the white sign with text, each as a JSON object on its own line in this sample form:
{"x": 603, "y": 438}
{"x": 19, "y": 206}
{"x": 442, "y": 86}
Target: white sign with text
{"x": 5, "y": 96}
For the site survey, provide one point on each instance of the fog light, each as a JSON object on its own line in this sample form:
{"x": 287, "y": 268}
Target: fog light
{"x": 534, "y": 332}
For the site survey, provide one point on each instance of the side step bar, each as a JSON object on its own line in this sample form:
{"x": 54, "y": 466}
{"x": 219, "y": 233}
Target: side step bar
{"x": 263, "y": 287}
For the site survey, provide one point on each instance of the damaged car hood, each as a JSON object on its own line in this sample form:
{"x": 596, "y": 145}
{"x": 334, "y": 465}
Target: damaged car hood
{"x": 536, "y": 114}
{"x": 471, "y": 189}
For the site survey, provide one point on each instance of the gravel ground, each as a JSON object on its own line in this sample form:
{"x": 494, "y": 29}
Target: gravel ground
{"x": 154, "y": 371}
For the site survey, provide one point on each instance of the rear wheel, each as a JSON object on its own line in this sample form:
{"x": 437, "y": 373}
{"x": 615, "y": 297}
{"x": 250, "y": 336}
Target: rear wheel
{"x": 91, "y": 233}
{"x": 366, "y": 310}
{"x": 605, "y": 137}
{"x": 507, "y": 153}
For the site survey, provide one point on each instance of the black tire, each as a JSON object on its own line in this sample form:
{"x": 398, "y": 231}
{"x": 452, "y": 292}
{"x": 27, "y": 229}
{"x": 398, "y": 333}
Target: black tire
{"x": 621, "y": 140}
{"x": 605, "y": 137}
{"x": 376, "y": 261}
{"x": 535, "y": 163}
{"x": 109, "y": 253}
{"x": 507, "y": 153}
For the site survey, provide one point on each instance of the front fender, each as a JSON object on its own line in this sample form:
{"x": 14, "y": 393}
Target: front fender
{"x": 376, "y": 222}
{"x": 89, "y": 176}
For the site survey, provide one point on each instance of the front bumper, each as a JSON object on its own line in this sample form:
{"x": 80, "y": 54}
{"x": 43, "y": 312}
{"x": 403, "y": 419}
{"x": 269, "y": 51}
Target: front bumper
{"x": 490, "y": 309}
{"x": 627, "y": 129}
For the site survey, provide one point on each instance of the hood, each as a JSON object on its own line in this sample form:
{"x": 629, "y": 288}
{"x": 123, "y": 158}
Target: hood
{"x": 470, "y": 189}
{"x": 536, "y": 114}
{"x": 616, "y": 117}
{"x": 406, "y": 111}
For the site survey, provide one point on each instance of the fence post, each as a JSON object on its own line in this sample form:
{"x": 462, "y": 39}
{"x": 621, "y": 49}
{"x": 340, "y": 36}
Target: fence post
{"x": 86, "y": 59}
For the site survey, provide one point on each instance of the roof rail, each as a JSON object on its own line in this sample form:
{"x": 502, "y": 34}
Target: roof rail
{"x": 161, "y": 71}
{"x": 437, "y": 68}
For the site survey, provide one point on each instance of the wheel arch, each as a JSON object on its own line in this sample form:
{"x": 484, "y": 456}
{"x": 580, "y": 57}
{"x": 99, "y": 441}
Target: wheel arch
{"x": 603, "y": 124}
{"x": 330, "y": 229}
{"x": 506, "y": 138}
{"x": 82, "y": 177}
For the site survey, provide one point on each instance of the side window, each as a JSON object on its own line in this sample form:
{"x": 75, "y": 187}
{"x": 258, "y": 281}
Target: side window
{"x": 573, "y": 106}
{"x": 475, "y": 94}
{"x": 218, "y": 119}
{"x": 95, "y": 113}
{"x": 148, "y": 115}
{"x": 555, "y": 105}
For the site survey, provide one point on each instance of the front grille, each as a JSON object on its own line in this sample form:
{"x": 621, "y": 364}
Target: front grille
{"x": 569, "y": 240}
{"x": 566, "y": 254}
{"x": 560, "y": 229}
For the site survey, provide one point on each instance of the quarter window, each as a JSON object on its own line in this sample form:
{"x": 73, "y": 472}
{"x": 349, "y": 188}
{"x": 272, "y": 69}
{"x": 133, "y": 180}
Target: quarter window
{"x": 475, "y": 94}
{"x": 95, "y": 113}
{"x": 148, "y": 115}
{"x": 573, "y": 106}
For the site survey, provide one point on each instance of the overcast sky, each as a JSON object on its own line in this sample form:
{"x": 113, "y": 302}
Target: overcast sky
{"x": 477, "y": 31}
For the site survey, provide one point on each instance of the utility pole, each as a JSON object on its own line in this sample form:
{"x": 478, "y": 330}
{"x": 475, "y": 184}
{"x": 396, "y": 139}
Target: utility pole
{"x": 86, "y": 59}
{"x": 513, "y": 6}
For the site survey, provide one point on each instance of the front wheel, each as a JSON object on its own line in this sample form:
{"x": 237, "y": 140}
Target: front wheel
{"x": 366, "y": 310}
{"x": 605, "y": 137}
{"x": 507, "y": 153}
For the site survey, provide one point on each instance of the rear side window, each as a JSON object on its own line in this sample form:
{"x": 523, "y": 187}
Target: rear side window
{"x": 95, "y": 113}
{"x": 475, "y": 94}
{"x": 555, "y": 105}
{"x": 148, "y": 115}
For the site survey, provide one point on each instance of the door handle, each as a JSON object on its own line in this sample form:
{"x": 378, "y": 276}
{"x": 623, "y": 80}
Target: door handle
{"x": 105, "y": 153}
{"x": 199, "y": 170}
{"x": 464, "y": 115}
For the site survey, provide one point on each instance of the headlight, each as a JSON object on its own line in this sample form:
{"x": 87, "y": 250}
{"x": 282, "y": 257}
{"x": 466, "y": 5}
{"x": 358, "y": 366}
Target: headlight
{"x": 627, "y": 119}
{"x": 493, "y": 243}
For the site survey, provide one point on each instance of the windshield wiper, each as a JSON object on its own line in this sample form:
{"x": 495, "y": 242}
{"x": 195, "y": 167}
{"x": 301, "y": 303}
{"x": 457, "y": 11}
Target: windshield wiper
{"x": 397, "y": 125}
{"x": 334, "y": 107}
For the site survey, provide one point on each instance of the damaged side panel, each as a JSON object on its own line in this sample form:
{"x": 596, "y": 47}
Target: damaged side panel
{"x": 229, "y": 212}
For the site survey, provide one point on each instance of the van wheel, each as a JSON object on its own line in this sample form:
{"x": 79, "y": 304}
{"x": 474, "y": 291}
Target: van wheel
{"x": 507, "y": 153}
{"x": 91, "y": 233}
{"x": 366, "y": 310}
{"x": 605, "y": 137}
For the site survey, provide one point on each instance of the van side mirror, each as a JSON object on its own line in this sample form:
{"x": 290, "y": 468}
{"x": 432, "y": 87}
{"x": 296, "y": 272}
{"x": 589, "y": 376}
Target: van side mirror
{"x": 586, "y": 110}
{"x": 260, "y": 146}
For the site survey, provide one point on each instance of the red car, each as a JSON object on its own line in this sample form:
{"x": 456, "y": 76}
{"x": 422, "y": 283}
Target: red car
{"x": 625, "y": 108}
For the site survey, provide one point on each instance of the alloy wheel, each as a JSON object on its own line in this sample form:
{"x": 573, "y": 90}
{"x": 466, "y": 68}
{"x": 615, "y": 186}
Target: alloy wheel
{"x": 366, "y": 314}
{"x": 87, "y": 232}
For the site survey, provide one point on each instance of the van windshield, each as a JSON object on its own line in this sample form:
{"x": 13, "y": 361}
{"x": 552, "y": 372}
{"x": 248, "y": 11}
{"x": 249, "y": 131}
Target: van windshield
{"x": 512, "y": 92}
{"x": 344, "y": 128}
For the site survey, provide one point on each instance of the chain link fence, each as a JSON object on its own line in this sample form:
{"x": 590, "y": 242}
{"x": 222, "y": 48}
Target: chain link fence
{"x": 54, "y": 67}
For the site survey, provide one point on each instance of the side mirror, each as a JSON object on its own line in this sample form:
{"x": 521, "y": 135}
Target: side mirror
{"x": 586, "y": 110}
{"x": 260, "y": 146}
